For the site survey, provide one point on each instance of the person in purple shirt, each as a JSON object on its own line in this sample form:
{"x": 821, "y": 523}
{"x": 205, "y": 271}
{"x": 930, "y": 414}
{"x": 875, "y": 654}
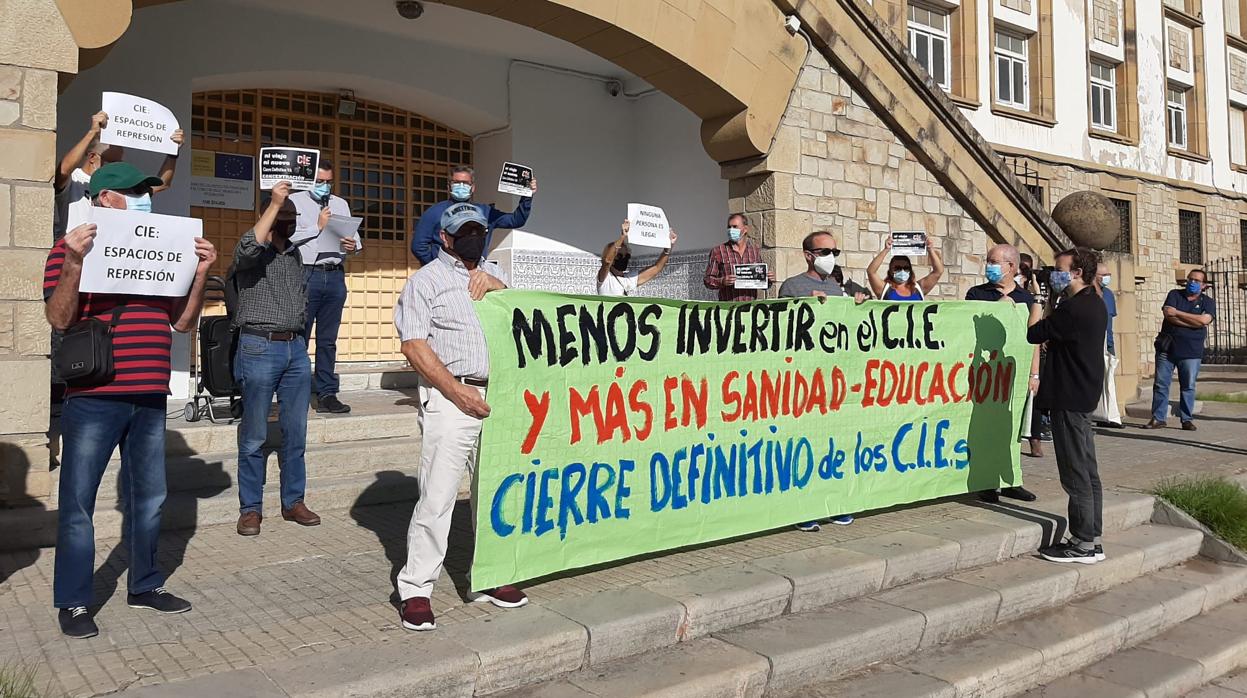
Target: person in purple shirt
{"x": 426, "y": 243}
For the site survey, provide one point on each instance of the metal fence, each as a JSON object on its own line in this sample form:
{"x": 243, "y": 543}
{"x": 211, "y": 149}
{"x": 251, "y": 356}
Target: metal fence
{"x": 1227, "y": 336}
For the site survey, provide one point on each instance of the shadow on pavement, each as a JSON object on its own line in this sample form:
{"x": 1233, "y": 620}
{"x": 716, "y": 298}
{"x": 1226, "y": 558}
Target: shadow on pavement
{"x": 1119, "y": 434}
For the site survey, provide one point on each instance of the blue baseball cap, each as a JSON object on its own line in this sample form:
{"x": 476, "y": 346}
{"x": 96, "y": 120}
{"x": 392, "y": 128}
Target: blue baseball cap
{"x": 454, "y": 217}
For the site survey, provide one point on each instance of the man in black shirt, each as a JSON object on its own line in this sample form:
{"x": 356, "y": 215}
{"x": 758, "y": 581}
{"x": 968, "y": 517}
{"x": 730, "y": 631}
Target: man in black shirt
{"x": 1069, "y": 387}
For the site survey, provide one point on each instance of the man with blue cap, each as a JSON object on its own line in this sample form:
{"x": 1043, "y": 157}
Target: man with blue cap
{"x": 442, "y": 338}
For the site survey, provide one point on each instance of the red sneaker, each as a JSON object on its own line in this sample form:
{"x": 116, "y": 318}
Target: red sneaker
{"x": 505, "y": 596}
{"x": 416, "y": 614}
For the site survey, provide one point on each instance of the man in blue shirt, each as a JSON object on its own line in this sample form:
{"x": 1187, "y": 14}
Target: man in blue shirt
{"x": 1104, "y": 280}
{"x": 426, "y": 243}
{"x": 1180, "y": 344}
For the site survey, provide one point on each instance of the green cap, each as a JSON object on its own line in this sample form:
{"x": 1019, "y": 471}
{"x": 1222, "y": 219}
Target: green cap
{"x": 119, "y": 176}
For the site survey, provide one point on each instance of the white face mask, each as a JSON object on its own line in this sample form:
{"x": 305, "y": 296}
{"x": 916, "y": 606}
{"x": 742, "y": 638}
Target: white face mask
{"x": 1106, "y": 280}
{"x": 825, "y": 265}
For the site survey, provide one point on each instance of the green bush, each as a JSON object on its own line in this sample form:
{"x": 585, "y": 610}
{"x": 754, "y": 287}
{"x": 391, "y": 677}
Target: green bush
{"x": 18, "y": 681}
{"x": 1217, "y": 503}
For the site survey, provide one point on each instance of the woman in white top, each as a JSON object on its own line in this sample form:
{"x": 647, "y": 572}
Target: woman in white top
{"x": 614, "y": 278}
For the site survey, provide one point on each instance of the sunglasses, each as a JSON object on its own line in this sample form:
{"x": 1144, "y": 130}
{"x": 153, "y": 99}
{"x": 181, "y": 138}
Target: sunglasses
{"x": 908, "y": 269}
{"x": 824, "y": 251}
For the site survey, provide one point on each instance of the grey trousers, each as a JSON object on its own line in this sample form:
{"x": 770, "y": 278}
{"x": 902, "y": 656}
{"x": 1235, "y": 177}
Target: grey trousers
{"x": 1074, "y": 443}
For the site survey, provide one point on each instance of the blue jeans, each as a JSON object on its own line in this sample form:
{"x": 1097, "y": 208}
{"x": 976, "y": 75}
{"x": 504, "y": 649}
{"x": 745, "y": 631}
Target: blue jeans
{"x": 326, "y": 294}
{"x": 92, "y": 428}
{"x": 263, "y": 368}
{"x": 1188, "y": 371}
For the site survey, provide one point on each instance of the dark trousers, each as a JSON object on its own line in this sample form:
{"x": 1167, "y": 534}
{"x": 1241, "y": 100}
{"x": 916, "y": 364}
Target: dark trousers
{"x": 1074, "y": 443}
{"x": 326, "y": 295}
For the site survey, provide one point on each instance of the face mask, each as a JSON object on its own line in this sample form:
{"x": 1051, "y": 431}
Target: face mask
{"x": 1106, "y": 280}
{"x": 1194, "y": 287}
{"x": 1019, "y": 280}
{"x": 460, "y": 191}
{"x": 994, "y": 273}
{"x": 1059, "y": 280}
{"x": 470, "y": 248}
{"x": 621, "y": 263}
{"x": 733, "y": 234}
{"x": 283, "y": 229}
{"x": 321, "y": 191}
{"x": 139, "y": 203}
{"x": 900, "y": 276}
{"x": 825, "y": 265}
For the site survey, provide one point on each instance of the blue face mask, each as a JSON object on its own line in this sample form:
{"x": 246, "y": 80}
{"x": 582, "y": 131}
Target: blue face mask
{"x": 900, "y": 276}
{"x": 139, "y": 203}
{"x": 1193, "y": 287}
{"x": 994, "y": 273}
{"x": 1059, "y": 280}
{"x": 322, "y": 190}
{"x": 733, "y": 234}
{"x": 460, "y": 191}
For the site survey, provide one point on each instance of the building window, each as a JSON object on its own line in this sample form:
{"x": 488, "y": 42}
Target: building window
{"x": 1238, "y": 137}
{"x": 1123, "y": 243}
{"x": 1103, "y": 96}
{"x": 1012, "y": 71}
{"x": 1175, "y": 99}
{"x": 1190, "y": 238}
{"x": 929, "y": 42}
{"x": 1242, "y": 234}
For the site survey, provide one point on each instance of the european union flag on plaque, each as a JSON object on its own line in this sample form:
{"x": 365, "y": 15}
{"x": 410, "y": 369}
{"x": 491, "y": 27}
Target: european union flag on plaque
{"x": 230, "y": 166}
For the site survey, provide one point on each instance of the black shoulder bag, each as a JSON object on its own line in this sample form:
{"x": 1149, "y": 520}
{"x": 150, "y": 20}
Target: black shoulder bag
{"x": 85, "y": 357}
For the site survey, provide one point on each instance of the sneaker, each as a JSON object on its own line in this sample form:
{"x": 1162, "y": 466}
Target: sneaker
{"x": 332, "y": 405}
{"x": 1019, "y": 493}
{"x": 1068, "y": 552}
{"x": 77, "y": 623}
{"x": 416, "y": 614}
{"x": 1099, "y": 553}
{"x": 159, "y": 599}
{"x": 844, "y": 520}
{"x": 1046, "y": 437}
{"x": 505, "y": 596}
{"x": 808, "y": 527}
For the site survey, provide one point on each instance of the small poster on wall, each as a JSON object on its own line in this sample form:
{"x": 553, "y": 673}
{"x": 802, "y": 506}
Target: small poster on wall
{"x": 222, "y": 180}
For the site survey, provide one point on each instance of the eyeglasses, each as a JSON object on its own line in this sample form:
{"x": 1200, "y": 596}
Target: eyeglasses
{"x": 824, "y": 251}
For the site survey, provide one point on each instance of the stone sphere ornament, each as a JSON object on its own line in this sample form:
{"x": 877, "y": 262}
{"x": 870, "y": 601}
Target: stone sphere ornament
{"x": 1089, "y": 219}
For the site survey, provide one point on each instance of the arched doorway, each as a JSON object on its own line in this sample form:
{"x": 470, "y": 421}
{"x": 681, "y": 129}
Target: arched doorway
{"x": 391, "y": 165}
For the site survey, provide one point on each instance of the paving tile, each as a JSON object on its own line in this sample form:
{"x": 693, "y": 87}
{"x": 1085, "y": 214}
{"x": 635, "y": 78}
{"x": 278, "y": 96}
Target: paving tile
{"x": 883, "y": 681}
{"x": 623, "y": 622}
{"x": 520, "y": 646}
{"x": 1218, "y": 649}
{"x": 909, "y": 555}
{"x": 1150, "y": 605}
{"x": 1025, "y": 585}
{"x": 725, "y": 597}
{"x": 952, "y": 609}
{"x": 825, "y": 575}
{"x": 1082, "y": 686}
{"x": 705, "y": 667}
{"x": 985, "y": 668}
{"x": 1069, "y": 638}
{"x": 1155, "y": 673}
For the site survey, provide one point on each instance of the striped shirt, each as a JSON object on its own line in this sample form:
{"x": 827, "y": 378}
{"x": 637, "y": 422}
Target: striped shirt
{"x": 141, "y": 342}
{"x": 435, "y": 306}
{"x": 723, "y": 259}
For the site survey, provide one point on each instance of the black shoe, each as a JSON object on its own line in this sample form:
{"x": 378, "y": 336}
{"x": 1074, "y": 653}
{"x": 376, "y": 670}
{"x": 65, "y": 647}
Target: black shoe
{"x": 1068, "y": 552}
{"x": 1019, "y": 493}
{"x": 332, "y": 405}
{"x": 989, "y": 496}
{"x": 1099, "y": 553}
{"x": 77, "y": 623}
{"x": 159, "y": 599}
{"x": 1046, "y": 437}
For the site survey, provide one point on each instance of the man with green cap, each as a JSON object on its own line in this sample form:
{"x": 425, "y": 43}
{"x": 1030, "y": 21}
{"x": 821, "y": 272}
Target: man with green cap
{"x": 127, "y": 410}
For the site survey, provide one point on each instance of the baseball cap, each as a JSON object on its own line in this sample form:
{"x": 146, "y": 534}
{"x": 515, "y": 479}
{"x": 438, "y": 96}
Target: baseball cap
{"x": 455, "y": 216}
{"x": 119, "y": 176}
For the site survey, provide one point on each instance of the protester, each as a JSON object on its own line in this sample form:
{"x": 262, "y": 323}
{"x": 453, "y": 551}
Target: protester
{"x": 1070, "y": 386}
{"x": 1002, "y": 272}
{"x": 614, "y": 278}
{"x": 73, "y": 175}
{"x": 127, "y": 411}
{"x": 899, "y": 284}
{"x": 324, "y": 256}
{"x": 1108, "y": 414}
{"x": 426, "y": 242}
{"x": 271, "y": 359}
{"x": 820, "y": 252}
{"x": 442, "y": 338}
{"x": 721, "y": 269}
{"x": 1180, "y": 345}
{"x": 851, "y": 287}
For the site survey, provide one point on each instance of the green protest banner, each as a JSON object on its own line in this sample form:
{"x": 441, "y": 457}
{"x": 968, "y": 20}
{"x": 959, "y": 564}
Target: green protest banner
{"x": 621, "y": 427}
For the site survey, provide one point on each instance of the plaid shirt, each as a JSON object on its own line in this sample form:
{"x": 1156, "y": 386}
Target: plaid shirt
{"x": 722, "y": 261}
{"x": 272, "y": 295}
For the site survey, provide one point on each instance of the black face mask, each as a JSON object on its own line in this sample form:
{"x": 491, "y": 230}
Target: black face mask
{"x": 470, "y": 248}
{"x": 283, "y": 229}
{"x": 621, "y": 263}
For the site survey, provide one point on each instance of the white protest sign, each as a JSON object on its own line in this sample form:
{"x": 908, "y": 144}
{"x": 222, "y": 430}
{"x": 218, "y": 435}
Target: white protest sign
{"x": 140, "y": 254}
{"x": 751, "y": 276}
{"x": 911, "y": 243}
{"x": 134, "y": 122}
{"x": 516, "y": 179}
{"x": 294, "y": 165}
{"x": 647, "y": 225}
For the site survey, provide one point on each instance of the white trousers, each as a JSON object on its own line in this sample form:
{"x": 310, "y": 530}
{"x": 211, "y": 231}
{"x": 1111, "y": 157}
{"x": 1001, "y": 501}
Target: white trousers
{"x": 450, "y": 440}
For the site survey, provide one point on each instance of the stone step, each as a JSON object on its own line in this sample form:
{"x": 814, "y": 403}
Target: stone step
{"x": 1052, "y": 647}
{"x": 692, "y": 615}
{"x": 1204, "y": 650}
{"x": 385, "y": 375}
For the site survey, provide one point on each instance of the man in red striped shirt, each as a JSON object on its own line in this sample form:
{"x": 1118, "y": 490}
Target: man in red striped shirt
{"x": 128, "y": 411}
{"x": 721, "y": 269}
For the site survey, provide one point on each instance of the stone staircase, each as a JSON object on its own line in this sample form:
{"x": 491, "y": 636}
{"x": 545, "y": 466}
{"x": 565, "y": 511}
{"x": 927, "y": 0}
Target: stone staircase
{"x": 963, "y": 608}
{"x": 351, "y": 461}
